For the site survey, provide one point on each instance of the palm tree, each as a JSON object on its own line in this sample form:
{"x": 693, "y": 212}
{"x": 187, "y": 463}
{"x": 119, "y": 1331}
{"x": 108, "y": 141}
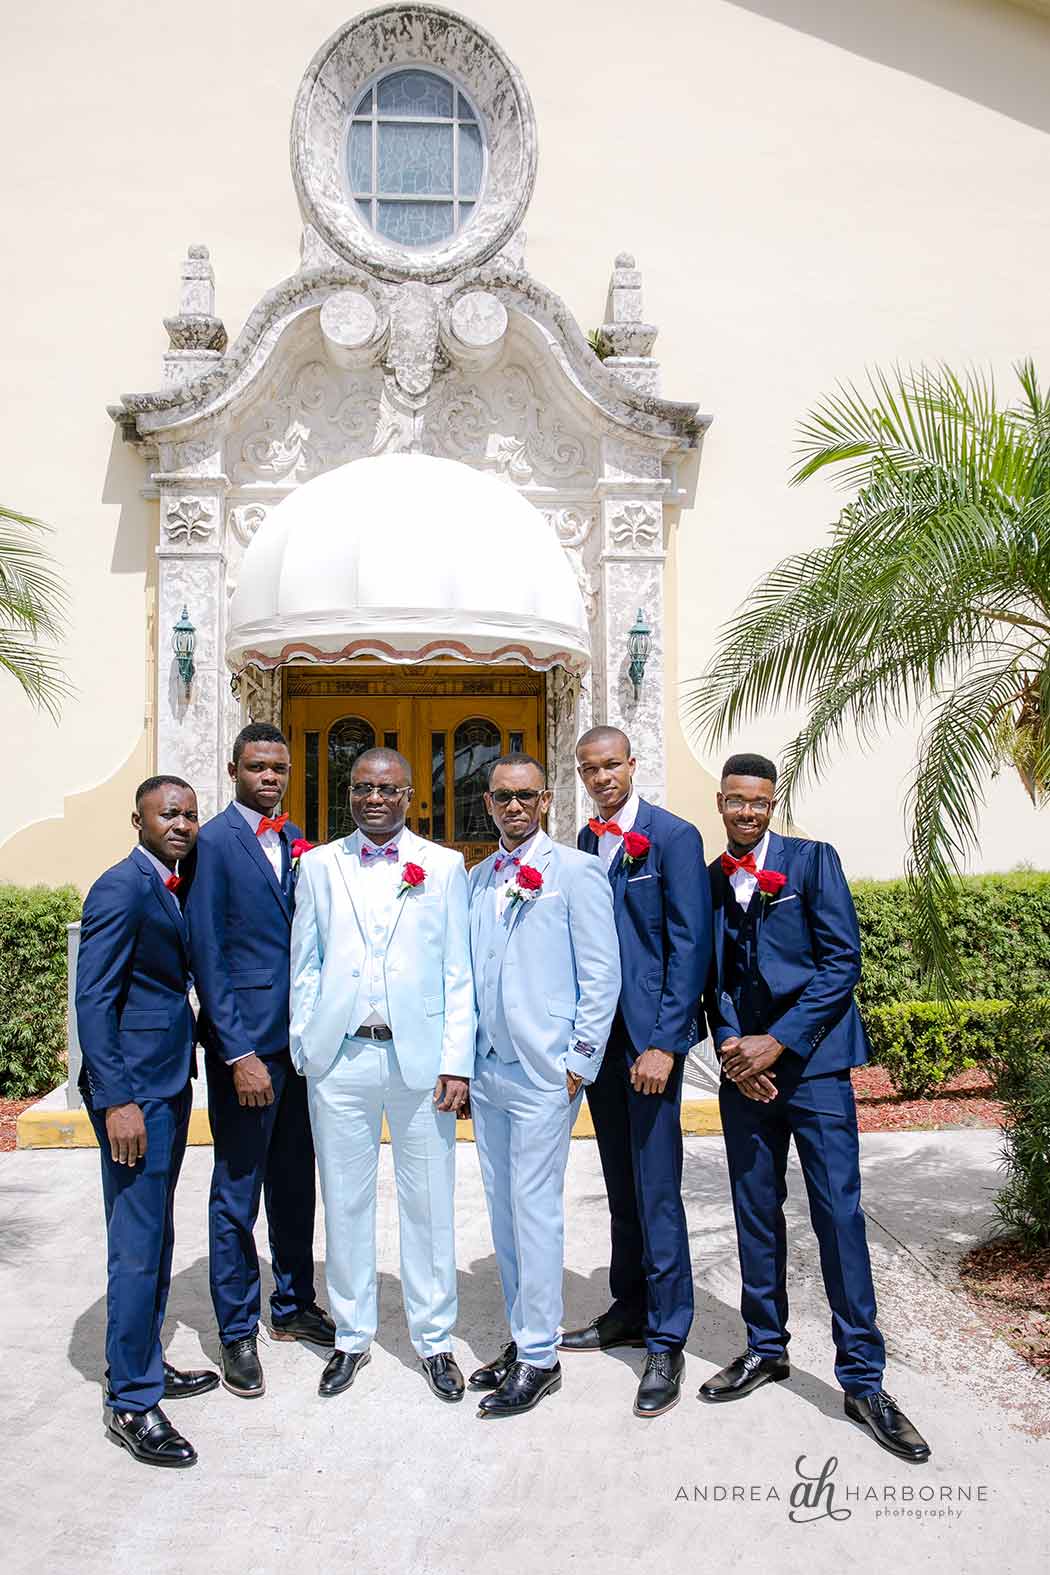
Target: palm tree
{"x": 930, "y": 603}
{"x": 33, "y": 606}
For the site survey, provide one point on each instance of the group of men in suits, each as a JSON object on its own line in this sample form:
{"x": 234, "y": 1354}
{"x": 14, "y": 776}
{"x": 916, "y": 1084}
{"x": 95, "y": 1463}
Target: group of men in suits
{"x": 374, "y": 978}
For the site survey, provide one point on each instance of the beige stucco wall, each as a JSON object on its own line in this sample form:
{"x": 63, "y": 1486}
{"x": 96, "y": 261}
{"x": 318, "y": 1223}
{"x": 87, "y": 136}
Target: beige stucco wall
{"x": 808, "y": 188}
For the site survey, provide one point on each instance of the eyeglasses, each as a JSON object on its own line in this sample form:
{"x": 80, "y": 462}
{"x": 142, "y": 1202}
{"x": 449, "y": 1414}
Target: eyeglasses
{"x": 761, "y": 806}
{"x": 526, "y": 797}
{"x": 386, "y": 790}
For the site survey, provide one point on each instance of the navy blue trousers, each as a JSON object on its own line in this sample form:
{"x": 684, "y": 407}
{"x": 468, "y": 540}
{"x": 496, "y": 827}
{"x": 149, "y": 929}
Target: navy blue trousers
{"x": 640, "y": 1144}
{"x": 140, "y": 1237}
{"x": 259, "y": 1153}
{"x": 820, "y": 1114}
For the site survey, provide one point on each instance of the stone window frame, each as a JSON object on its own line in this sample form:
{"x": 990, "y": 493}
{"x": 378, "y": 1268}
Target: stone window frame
{"x": 425, "y": 37}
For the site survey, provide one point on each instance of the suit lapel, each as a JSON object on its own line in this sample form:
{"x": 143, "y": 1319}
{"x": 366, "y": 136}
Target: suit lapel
{"x": 619, "y": 869}
{"x": 410, "y": 850}
{"x": 777, "y": 858}
{"x": 538, "y": 859}
{"x": 349, "y": 861}
{"x": 248, "y": 840}
{"x": 168, "y": 906}
{"x": 720, "y": 895}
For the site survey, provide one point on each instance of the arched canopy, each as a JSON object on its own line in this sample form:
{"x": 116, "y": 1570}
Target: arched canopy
{"x": 406, "y": 558}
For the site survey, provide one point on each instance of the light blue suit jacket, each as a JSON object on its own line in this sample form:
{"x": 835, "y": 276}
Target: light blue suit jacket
{"x": 547, "y": 973}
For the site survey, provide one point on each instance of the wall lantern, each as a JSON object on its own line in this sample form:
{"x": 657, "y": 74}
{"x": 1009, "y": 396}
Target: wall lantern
{"x": 184, "y": 643}
{"x": 639, "y": 645}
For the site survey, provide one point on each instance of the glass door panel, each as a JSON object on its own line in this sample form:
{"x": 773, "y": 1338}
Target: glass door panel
{"x": 347, "y": 738}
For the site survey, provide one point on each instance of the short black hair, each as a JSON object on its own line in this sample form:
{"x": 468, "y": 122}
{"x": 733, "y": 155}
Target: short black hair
{"x": 594, "y": 735}
{"x": 517, "y": 758}
{"x": 257, "y": 733}
{"x": 151, "y": 785}
{"x": 750, "y": 766}
{"x": 381, "y": 753}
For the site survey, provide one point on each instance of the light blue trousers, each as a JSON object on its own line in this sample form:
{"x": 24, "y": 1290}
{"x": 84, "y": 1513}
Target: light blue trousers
{"x": 347, "y": 1106}
{"x": 522, "y": 1134}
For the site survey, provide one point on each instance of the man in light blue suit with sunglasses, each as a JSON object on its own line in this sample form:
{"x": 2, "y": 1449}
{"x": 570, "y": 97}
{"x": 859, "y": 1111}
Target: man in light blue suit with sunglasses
{"x": 546, "y": 964}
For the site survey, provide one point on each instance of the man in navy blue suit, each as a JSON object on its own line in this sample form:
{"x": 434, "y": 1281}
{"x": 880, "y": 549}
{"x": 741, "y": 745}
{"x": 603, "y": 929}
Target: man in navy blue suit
{"x": 136, "y": 1036}
{"x": 240, "y": 912}
{"x": 786, "y": 1026}
{"x": 662, "y": 903}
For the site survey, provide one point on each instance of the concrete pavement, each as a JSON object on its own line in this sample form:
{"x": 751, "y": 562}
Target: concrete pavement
{"x": 388, "y": 1479}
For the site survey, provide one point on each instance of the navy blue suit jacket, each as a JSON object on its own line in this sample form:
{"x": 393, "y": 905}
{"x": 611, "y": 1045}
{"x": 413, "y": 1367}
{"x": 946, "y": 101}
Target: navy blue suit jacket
{"x": 133, "y": 1017}
{"x": 240, "y": 927}
{"x": 662, "y": 906}
{"x": 808, "y": 958}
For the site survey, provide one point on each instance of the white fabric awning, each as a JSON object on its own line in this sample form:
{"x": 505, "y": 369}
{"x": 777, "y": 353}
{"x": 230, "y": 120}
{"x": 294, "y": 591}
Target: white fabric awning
{"x": 406, "y": 558}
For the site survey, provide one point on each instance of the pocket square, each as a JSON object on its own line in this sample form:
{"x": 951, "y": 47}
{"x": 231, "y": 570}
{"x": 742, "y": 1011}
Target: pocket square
{"x": 776, "y": 903}
{"x": 632, "y": 878}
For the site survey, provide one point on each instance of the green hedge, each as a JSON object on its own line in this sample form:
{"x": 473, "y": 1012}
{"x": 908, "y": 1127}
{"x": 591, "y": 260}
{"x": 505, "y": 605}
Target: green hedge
{"x": 923, "y": 1043}
{"x": 1003, "y": 928}
{"x": 33, "y": 923}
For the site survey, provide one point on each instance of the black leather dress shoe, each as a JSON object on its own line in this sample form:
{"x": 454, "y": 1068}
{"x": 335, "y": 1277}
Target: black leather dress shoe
{"x": 242, "y": 1372}
{"x": 493, "y": 1373}
{"x": 885, "y": 1421}
{"x": 523, "y": 1387}
{"x": 150, "y": 1437}
{"x": 443, "y": 1375}
{"x": 309, "y": 1323}
{"x": 603, "y": 1334}
{"x": 340, "y": 1372}
{"x": 180, "y": 1386}
{"x": 748, "y": 1372}
{"x": 661, "y": 1384}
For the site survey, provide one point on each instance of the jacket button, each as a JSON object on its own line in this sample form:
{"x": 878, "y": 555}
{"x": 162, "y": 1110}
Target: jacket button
{"x": 357, "y": 973}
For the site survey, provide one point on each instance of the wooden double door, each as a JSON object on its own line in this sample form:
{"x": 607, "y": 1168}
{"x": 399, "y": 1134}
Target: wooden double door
{"x": 450, "y": 721}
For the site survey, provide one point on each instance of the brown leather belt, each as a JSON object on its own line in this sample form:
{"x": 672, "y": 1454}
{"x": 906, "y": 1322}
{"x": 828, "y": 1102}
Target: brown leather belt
{"x": 374, "y": 1031}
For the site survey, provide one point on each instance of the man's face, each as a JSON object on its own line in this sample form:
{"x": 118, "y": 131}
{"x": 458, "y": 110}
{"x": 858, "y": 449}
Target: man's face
{"x": 745, "y": 805}
{"x": 517, "y": 801}
{"x": 606, "y": 771}
{"x": 166, "y": 821}
{"x": 260, "y": 776}
{"x": 380, "y": 794}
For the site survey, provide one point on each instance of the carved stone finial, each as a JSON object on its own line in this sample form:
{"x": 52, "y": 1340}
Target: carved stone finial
{"x": 196, "y": 336}
{"x": 624, "y": 333}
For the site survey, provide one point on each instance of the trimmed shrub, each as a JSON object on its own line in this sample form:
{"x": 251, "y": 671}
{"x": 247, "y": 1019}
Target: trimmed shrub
{"x": 33, "y": 923}
{"x": 923, "y": 1043}
{"x": 1002, "y": 929}
{"x": 1021, "y": 1069}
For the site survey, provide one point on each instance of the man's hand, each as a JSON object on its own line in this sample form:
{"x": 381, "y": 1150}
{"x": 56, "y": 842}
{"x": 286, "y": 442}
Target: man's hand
{"x": 252, "y": 1083}
{"x": 573, "y": 1084}
{"x": 126, "y": 1130}
{"x": 743, "y": 1058}
{"x": 650, "y": 1072}
{"x": 452, "y": 1093}
{"x": 758, "y": 1086}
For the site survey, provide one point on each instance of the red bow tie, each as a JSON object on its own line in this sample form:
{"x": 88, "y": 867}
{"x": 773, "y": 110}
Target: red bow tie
{"x": 173, "y": 882}
{"x": 505, "y": 858}
{"x": 730, "y": 865}
{"x": 266, "y": 824}
{"x": 369, "y": 852}
{"x": 600, "y": 827}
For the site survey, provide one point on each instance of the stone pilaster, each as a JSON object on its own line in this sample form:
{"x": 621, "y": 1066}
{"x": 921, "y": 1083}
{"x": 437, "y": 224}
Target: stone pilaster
{"x": 197, "y": 337}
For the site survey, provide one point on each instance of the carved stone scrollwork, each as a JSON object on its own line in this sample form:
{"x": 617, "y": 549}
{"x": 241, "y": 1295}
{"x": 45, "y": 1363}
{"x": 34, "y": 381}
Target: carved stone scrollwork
{"x": 635, "y": 528}
{"x": 506, "y": 425}
{"x": 189, "y": 519}
{"x": 244, "y": 522}
{"x": 573, "y": 527}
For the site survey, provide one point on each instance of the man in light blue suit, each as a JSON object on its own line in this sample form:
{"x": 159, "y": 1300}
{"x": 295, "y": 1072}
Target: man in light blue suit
{"x": 546, "y": 981}
{"x": 383, "y": 1024}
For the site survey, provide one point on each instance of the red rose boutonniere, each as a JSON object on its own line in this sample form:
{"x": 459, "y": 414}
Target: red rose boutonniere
{"x": 412, "y": 877}
{"x": 635, "y": 847}
{"x": 770, "y": 882}
{"x": 299, "y": 847}
{"x": 527, "y": 885}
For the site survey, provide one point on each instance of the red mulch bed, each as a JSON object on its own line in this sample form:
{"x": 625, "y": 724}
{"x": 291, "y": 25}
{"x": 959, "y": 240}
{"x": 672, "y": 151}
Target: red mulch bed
{"x": 10, "y": 1110}
{"x": 1009, "y": 1286}
{"x": 962, "y": 1101}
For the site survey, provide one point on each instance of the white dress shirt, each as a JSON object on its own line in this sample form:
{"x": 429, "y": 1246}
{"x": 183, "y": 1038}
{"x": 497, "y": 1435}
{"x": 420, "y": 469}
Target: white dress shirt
{"x": 743, "y": 882}
{"x": 625, "y": 817}
{"x": 162, "y": 870}
{"x": 270, "y": 841}
{"x": 508, "y": 870}
{"x": 380, "y": 881}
